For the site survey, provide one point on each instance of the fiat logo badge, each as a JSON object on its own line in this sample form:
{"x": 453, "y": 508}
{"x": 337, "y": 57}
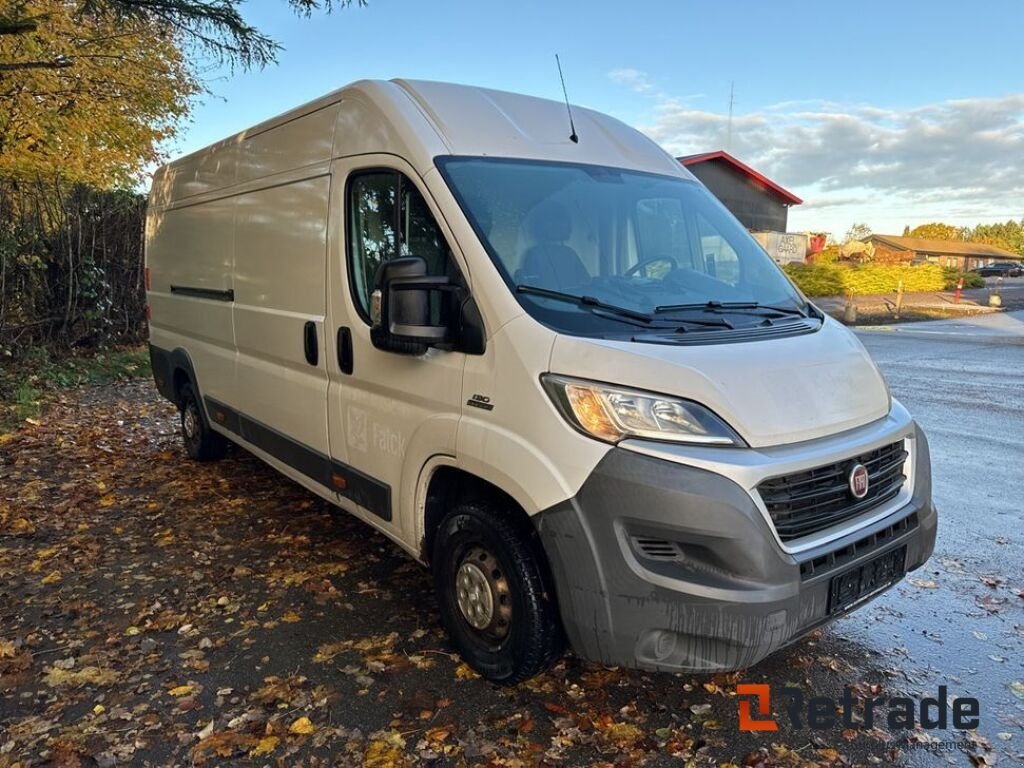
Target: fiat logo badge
{"x": 858, "y": 480}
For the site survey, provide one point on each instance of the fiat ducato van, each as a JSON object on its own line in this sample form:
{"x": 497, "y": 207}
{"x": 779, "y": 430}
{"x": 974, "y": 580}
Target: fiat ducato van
{"x": 547, "y": 363}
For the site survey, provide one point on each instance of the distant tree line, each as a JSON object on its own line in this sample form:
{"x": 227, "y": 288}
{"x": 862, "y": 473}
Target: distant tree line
{"x": 1008, "y": 235}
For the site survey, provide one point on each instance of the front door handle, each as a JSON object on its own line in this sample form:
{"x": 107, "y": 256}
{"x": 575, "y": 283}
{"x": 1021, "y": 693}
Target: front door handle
{"x": 345, "y": 361}
{"x": 309, "y": 345}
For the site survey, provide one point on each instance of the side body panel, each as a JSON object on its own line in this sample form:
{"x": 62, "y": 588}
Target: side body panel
{"x": 280, "y": 271}
{"x": 190, "y": 254}
{"x": 521, "y": 443}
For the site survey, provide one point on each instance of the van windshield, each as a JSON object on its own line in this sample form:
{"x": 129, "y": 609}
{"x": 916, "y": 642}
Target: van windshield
{"x": 587, "y": 247}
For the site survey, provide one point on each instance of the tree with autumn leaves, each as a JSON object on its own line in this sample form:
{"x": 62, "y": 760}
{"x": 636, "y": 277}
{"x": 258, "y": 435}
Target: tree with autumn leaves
{"x": 90, "y": 93}
{"x": 91, "y": 89}
{"x": 88, "y": 99}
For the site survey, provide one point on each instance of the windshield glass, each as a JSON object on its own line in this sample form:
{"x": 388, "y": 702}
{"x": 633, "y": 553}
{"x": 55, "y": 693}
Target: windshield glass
{"x": 649, "y": 244}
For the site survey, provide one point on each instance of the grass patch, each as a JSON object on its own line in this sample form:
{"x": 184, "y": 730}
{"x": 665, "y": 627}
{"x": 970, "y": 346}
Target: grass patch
{"x": 27, "y": 384}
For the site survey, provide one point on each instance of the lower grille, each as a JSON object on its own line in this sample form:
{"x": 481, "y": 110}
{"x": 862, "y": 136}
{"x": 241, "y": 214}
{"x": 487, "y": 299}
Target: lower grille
{"x": 835, "y": 560}
{"x": 815, "y": 499}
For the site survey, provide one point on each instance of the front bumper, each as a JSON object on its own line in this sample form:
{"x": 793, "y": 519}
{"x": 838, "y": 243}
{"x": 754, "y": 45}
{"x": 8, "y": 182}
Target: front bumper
{"x": 725, "y": 594}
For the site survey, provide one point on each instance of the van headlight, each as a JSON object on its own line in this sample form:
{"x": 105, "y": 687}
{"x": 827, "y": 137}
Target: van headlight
{"x": 613, "y": 413}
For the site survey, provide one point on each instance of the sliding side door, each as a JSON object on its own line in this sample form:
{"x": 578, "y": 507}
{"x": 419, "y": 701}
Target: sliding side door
{"x": 280, "y": 390}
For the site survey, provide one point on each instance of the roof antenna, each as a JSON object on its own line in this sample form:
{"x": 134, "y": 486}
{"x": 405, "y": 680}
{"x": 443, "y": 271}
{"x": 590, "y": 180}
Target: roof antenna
{"x": 572, "y": 136}
{"x": 732, "y": 100}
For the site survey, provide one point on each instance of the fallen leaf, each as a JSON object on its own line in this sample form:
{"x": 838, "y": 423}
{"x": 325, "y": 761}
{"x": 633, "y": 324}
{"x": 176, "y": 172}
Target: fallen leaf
{"x": 265, "y": 746}
{"x": 385, "y": 752}
{"x": 21, "y": 527}
{"x": 992, "y": 604}
{"x": 57, "y": 678}
{"x": 624, "y": 734}
{"x": 302, "y": 726}
{"x": 437, "y": 735}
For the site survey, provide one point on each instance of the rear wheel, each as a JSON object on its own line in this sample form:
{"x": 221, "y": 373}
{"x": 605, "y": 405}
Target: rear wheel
{"x": 493, "y": 592}
{"x": 201, "y": 442}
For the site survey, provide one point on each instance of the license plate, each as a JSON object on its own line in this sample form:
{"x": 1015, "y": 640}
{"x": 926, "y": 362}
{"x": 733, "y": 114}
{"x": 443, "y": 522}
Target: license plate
{"x": 854, "y": 585}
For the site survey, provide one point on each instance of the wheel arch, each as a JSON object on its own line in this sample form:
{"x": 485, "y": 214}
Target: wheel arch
{"x": 172, "y": 370}
{"x": 445, "y": 484}
{"x": 182, "y": 373}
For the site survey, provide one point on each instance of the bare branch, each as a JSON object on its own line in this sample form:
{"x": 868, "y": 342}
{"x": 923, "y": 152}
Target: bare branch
{"x": 54, "y": 64}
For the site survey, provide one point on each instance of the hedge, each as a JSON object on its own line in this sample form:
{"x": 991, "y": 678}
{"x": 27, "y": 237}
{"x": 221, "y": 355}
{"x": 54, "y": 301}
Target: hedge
{"x": 840, "y": 280}
{"x": 70, "y": 267}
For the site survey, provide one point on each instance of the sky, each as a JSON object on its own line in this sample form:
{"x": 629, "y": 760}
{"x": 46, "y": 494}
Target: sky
{"x": 888, "y": 113}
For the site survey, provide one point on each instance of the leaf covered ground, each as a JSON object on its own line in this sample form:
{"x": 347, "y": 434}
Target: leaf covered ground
{"x": 154, "y": 611}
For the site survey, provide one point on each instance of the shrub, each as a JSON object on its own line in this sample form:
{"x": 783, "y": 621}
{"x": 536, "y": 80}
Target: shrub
{"x": 816, "y": 279}
{"x": 838, "y": 280}
{"x": 829, "y": 255}
{"x": 971, "y": 279}
{"x": 70, "y": 267}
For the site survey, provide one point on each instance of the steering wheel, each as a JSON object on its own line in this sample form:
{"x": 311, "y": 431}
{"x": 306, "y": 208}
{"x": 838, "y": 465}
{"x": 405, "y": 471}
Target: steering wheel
{"x": 644, "y": 263}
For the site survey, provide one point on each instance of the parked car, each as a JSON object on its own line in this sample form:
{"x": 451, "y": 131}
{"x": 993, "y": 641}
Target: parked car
{"x": 549, "y": 365}
{"x": 1000, "y": 269}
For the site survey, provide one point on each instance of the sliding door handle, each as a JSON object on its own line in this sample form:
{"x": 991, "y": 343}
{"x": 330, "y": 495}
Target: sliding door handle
{"x": 345, "y": 361}
{"x": 309, "y": 345}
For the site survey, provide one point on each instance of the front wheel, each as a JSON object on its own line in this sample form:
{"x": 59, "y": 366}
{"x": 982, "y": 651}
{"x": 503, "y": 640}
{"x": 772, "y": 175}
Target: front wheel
{"x": 494, "y": 594}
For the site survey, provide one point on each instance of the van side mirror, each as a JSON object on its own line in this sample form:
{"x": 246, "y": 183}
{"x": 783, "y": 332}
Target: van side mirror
{"x": 400, "y": 308}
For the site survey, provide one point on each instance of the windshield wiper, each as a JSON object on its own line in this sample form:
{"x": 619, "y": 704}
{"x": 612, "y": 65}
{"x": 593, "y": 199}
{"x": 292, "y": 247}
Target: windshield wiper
{"x": 618, "y": 313}
{"x": 584, "y": 301}
{"x": 740, "y": 306}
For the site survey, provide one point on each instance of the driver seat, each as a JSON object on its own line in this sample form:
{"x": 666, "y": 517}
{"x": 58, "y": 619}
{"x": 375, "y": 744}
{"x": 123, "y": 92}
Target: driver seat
{"x": 549, "y": 261}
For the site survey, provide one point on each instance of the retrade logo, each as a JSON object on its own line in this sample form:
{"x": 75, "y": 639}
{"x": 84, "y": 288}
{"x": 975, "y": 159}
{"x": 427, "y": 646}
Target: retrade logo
{"x": 859, "y": 481}
{"x": 850, "y": 712}
{"x": 763, "y": 696}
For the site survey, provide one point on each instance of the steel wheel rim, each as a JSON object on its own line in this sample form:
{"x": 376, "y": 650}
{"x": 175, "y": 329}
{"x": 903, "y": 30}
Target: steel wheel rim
{"x": 482, "y": 594}
{"x": 190, "y": 421}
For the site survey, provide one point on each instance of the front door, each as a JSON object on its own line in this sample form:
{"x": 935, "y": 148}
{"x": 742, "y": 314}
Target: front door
{"x": 388, "y": 413}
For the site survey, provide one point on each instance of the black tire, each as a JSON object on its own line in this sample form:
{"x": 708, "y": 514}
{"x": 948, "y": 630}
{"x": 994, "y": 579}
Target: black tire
{"x": 201, "y": 442}
{"x": 524, "y": 634}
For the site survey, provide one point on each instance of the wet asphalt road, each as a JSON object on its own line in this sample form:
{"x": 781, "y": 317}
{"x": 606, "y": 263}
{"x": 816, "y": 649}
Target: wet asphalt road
{"x": 959, "y": 621}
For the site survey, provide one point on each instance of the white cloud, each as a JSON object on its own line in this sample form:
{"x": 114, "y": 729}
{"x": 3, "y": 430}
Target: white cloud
{"x": 633, "y": 79}
{"x": 955, "y": 158}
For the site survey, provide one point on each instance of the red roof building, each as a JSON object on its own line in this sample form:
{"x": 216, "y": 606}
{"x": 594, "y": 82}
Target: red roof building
{"x": 759, "y": 203}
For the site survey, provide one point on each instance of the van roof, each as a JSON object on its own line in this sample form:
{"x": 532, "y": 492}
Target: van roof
{"x": 483, "y": 121}
{"x": 431, "y": 118}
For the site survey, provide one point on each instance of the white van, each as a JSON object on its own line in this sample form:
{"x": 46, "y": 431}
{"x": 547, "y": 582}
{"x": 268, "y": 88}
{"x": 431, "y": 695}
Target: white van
{"x": 556, "y": 370}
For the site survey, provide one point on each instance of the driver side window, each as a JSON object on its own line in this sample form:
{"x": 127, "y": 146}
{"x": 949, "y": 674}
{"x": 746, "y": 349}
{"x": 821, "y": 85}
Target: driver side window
{"x": 661, "y": 234}
{"x": 720, "y": 260}
{"x": 388, "y": 218}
